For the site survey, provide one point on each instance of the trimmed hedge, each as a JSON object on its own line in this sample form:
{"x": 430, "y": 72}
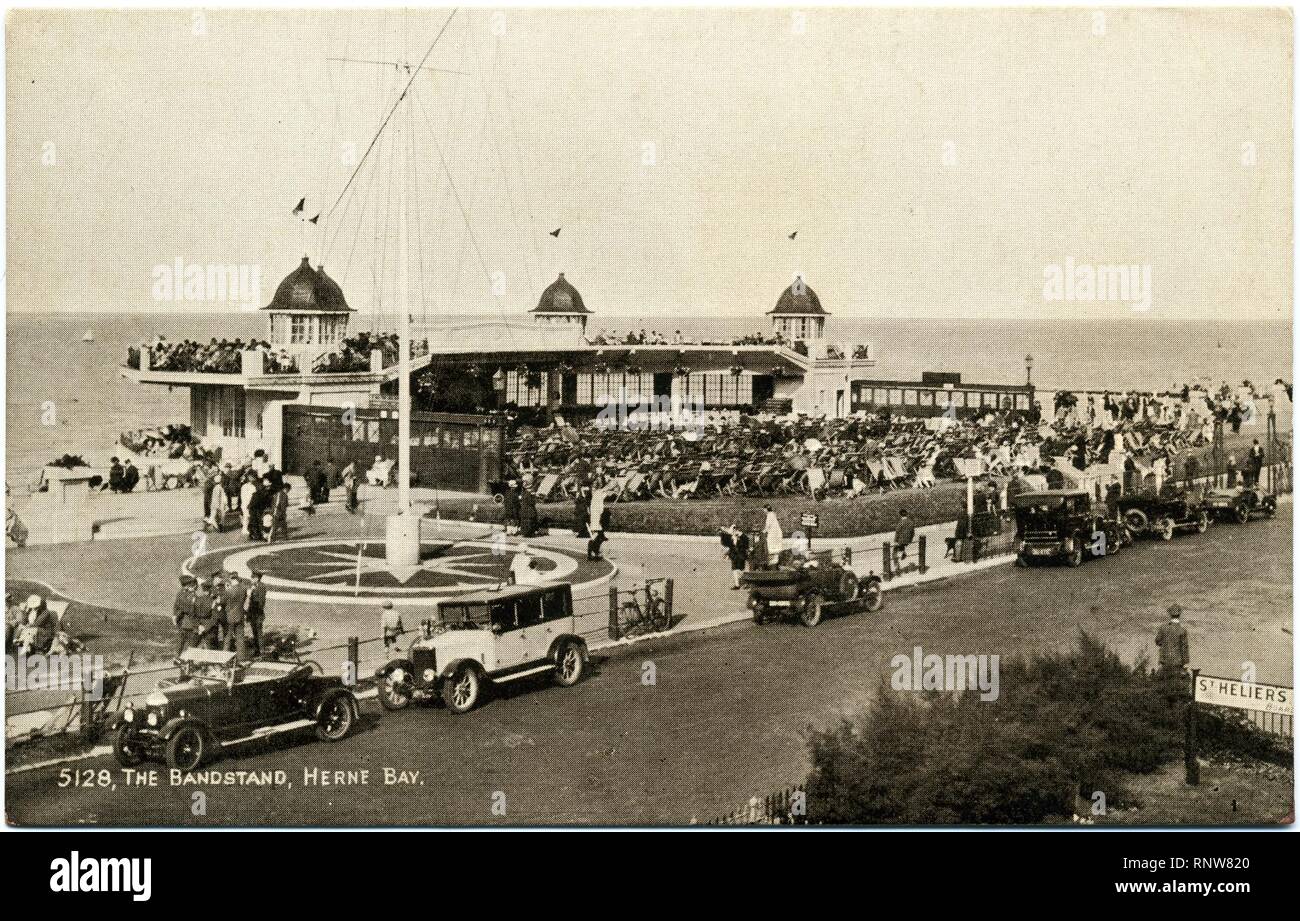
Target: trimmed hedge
{"x": 837, "y": 517}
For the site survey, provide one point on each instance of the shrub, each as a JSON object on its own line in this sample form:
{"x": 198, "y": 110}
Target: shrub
{"x": 837, "y": 517}
{"x": 1064, "y": 724}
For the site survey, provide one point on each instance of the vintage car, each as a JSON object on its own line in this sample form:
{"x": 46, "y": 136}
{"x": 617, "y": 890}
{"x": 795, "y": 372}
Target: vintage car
{"x": 809, "y": 586}
{"x": 217, "y": 702}
{"x": 1062, "y": 524}
{"x": 1148, "y": 514}
{"x": 485, "y": 638}
{"x": 1239, "y": 503}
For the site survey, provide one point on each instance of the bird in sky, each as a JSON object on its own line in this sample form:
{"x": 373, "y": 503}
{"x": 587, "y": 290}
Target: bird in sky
{"x": 298, "y": 210}
{"x": 556, "y": 232}
{"x": 313, "y": 220}
{"x": 793, "y": 235}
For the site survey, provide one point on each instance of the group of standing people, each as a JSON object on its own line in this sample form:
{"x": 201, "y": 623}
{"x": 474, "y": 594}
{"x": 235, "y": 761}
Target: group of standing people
{"x": 212, "y": 613}
{"x": 256, "y": 492}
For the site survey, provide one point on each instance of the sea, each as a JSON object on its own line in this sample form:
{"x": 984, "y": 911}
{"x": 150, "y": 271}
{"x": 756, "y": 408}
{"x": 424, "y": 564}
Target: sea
{"x": 64, "y": 395}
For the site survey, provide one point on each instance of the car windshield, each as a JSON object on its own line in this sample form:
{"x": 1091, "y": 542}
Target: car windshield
{"x": 464, "y": 615}
{"x": 1039, "y": 504}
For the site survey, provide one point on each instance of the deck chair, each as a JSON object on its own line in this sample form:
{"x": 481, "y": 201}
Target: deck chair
{"x": 546, "y": 485}
{"x": 816, "y": 480}
{"x": 924, "y": 476}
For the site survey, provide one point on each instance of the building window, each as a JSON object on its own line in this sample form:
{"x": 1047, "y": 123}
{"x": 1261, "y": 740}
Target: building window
{"x": 297, "y": 330}
{"x": 226, "y": 412}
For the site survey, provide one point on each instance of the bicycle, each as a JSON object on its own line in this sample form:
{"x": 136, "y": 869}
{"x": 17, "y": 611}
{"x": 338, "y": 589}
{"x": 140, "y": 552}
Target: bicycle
{"x": 652, "y": 617}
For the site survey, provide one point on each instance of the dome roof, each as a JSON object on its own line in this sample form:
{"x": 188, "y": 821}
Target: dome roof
{"x": 560, "y": 297}
{"x": 309, "y": 290}
{"x": 805, "y": 302}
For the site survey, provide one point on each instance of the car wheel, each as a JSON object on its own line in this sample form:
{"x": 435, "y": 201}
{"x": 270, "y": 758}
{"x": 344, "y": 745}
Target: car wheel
{"x": 848, "y": 587}
{"x": 1075, "y": 557}
{"x": 873, "y": 596}
{"x": 461, "y": 691}
{"x": 1270, "y": 507}
{"x": 1202, "y": 523}
{"x": 186, "y": 749}
{"x": 1243, "y": 514}
{"x": 760, "y": 611}
{"x": 335, "y": 719}
{"x": 126, "y": 751}
{"x": 1022, "y": 561}
{"x": 570, "y": 664}
{"x": 1166, "y": 526}
{"x": 1135, "y": 520}
{"x": 395, "y": 688}
{"x": 810, "y": 611}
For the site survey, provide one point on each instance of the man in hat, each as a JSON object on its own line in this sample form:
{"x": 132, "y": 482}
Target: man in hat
{"x": 234, "y": 599}
{"x": 230, "y": 482}
{"x": 184, "y": 608}
{"x": 1171, "y": 639}
{"x": 256, "y": 610}
{"x": 390, "y": 625}
{"x": 114, "y": 476}
{"x": 130, "y": 476}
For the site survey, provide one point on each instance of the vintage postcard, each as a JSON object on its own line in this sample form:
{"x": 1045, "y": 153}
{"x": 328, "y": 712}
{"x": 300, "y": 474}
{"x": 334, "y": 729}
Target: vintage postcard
{"x": 670, "y": 417}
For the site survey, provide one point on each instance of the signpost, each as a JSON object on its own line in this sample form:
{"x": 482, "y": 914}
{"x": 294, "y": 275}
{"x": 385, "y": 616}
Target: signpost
{"x": 1229, "y": 692}
{"x": 1240, "y": 695}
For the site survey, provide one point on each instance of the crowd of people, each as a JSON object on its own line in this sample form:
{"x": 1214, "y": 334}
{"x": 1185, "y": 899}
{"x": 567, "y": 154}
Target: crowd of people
{"x": 221, "y": 612}
{"x": 654, "y": 337}
{"x": 764, "y": 455}
{"x": 255, "y": 493}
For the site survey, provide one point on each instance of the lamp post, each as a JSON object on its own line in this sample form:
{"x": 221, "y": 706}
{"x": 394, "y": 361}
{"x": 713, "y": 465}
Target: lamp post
{"x": 499, "y": 386}
{"x": 1029, "y": 370}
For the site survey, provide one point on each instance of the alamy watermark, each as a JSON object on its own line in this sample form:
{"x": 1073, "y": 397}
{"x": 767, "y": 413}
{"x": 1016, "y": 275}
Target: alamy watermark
{"x": 190, "y": 281}
{"x": 58, "y": 672}
{"x": 933, "y": 672}
{"x": 1088, "y": 282}
{"x": 658, "y": 413}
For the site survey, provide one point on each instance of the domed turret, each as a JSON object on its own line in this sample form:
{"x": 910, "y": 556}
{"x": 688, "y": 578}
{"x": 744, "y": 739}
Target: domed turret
{"x": 561, "y": 303}
{"x": 798, "y": 313}
{"x": 308, "y": 308}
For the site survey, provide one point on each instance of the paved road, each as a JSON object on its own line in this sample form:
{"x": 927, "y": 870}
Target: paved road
{"x": 727, "y": 714}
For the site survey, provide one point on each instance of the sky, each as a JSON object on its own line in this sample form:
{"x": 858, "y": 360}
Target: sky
{"x": 931, "y": 163}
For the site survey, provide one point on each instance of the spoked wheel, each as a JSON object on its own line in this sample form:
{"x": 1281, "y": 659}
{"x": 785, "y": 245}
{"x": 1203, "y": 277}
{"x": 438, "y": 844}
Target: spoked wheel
{"x": 461, "y": 691}
{"x": 1202, "y": 523}
{"x": 570, "y": 665}
{"x": 186, "y": 749}
{"x": 760, "y": 611}
{"x": 1166, "y": 529}
{"x": 849, "y": 587}
{"x": 128, "y": 754}
{"x": 660, "y": 620}
{"x": 1075, "y": 558}
{"x": 873, "y": 596}
{"x": 335, "y": 720}
{"x": 810, "y": 612}
{"x": 1242, "y": 514}
{"x": 395, "y": 688}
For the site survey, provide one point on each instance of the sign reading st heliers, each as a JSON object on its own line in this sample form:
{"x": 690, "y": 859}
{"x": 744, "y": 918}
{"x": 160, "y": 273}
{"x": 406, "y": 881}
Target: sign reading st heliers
{"x": 1224, "y": 692}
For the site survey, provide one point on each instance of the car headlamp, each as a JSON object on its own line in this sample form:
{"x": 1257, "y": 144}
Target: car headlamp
{"x": 429, "y": 674}
{"x": 152, "y": 718}
{"x": 128, "y": 715}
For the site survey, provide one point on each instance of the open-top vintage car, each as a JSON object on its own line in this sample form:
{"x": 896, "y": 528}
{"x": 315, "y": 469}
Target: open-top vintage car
{"x": 1240, "y": 503}
{"x": 1063, "y": 524}
{"x": 217, "y": 701}
{"x": 483, "y": 638}
{"x": 1148, "y": 514}
{"x": 809, "y": 586}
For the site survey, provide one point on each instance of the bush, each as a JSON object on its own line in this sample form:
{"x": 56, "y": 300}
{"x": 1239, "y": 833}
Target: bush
{"x": 837, "y": 517}
{"x": 1063, "y": 725}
